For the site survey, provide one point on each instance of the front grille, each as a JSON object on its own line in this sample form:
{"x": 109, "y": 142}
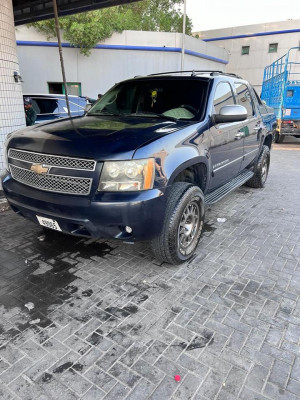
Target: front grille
{"x": 52, "y": 183}
{"x": 51, "y": 160}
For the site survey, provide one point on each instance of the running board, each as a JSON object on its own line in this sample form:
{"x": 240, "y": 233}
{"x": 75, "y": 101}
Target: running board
{"x": 222, "y": 191}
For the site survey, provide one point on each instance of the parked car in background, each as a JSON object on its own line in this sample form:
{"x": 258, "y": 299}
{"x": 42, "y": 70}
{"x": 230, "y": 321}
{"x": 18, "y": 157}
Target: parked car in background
{"x": 53, "y": 106}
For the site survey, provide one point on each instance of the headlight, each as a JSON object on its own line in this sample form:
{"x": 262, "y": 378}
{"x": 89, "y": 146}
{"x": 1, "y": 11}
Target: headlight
{"x": 5, "y": 151}
{"x": 127, "y": 175}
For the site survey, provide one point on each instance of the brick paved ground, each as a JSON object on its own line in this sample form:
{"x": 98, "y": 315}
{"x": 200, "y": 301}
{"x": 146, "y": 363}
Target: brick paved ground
{"x": 102, "y": 320}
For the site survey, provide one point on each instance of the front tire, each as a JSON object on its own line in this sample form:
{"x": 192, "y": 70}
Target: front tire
{"x": 261, "y": 171}
{"x": 183, "y": 224}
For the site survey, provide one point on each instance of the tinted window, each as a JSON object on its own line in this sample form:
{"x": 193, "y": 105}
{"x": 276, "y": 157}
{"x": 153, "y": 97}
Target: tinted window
{"x": 73, "y": 107}
{"x": 223, "y": 96}
{"x": 45, "y": 106}
{"x": 244, "y": 98}
{"x": 178, "y": 98}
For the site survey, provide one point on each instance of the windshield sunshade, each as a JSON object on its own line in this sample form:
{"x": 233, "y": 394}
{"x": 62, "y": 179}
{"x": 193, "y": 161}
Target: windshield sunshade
{"x": 167, "y": 98}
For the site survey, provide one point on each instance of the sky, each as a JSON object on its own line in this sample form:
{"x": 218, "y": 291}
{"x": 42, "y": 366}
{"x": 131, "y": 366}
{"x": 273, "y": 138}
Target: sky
{"x": 215, "y": 14}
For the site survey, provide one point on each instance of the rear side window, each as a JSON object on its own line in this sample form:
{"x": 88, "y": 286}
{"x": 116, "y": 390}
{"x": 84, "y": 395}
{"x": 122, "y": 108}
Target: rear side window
{"x": 244, "y": 98}
{"x": 45, "y": 106}
{"x": 223, "y": 96}
{"x": 73, "y": 107}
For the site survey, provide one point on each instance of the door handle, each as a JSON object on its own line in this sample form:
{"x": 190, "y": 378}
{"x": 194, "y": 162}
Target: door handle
{"x": 239, "y": 135}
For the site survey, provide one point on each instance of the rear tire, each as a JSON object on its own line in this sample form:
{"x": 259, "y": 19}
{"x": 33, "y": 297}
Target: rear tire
{"x": 276, "y": 137}
{"x": 259, "y": 178}
{"x": 281, "y": 138}
{"x": 183, "y": 224}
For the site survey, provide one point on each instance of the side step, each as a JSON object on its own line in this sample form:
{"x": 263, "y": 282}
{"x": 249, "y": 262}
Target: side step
{"x": 222, "y": 191}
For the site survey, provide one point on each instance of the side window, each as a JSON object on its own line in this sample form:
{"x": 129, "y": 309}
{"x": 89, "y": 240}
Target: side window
{"x": 45, "y": 106}
{"x": 223, "y": 96}
{"x": 244, "y": 98}
{"x": 73, "y": 107}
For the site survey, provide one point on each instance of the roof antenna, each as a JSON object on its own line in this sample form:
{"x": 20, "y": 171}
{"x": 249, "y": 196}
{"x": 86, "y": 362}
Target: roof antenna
{"x": 193, "y": 73}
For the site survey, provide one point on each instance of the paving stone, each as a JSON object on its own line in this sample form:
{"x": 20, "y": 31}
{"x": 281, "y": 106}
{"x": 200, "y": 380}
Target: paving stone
{"x": 75, "y": 381}
{"x": 119, "y": 392}
{"x": 54, "y": 388}
{"x": 94, "y": 393}
{"x": 142, "y": 390}
{"x": 40, "y": 367}
{"x": 165, "y": 389}
{"x": 33, "y": 350}
{"x": 234, "y": 381}
{"x": 124, "y": 375}
{"x": 211, "y": 385}
{"x": 193, "y": 365}
{"x": 293, "y": 387}
{"x": 280, "y": 373}
{"x": 132, "y": 354}
{"x": 16, "y": 369}
{"x": 27, "y": 390}
{"x": 100, "y": 378}
{"x": 155, "y": 351}
{"x": 149, "y": 372}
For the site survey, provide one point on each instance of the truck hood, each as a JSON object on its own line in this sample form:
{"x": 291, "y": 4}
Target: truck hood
{"x": 105, "y": 137}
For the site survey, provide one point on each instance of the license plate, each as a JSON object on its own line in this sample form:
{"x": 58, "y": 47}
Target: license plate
{"x": 48, "y": 223}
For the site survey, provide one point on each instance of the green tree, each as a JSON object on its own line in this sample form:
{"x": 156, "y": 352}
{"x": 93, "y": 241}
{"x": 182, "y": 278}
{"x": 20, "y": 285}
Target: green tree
{"x": 86, "y": 29}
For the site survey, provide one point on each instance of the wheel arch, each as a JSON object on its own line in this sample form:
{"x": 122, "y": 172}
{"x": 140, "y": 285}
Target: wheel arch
{"x": 193, "y": 171}
{"x": 268, "y": 140}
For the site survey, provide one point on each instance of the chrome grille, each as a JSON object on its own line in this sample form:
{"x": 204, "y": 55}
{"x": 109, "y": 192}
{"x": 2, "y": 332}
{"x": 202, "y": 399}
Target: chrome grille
{"x": 51, "y": 160}
{"x": 52, "y": 183}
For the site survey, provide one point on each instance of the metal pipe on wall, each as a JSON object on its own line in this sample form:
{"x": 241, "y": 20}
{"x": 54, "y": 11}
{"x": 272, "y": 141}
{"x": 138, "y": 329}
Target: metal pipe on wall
{"x": 61, "y": 55}
{"x": 183, "y": 36}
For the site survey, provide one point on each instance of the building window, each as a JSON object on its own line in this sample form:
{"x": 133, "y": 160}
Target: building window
{"x": 245, "y": 50}
{"x": 273, "y": 47}
{"x": 74, "y": 88}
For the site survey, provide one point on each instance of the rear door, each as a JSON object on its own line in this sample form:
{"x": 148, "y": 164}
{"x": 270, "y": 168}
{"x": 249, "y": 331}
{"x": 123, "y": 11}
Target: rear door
{"x": 226, "y": 148}
{"x": 252, "y": 127}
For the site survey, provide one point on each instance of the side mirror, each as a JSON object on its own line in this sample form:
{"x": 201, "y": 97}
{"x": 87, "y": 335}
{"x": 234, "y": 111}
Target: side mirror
{"x": 87, "y": 107}
{"x": 231, "y": 113}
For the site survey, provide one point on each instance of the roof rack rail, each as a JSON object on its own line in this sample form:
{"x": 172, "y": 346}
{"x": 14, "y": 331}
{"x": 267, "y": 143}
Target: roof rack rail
{"x": 196, "y": 72}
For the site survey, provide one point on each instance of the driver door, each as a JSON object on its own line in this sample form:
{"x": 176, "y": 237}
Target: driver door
{"x": 226, "y": 147}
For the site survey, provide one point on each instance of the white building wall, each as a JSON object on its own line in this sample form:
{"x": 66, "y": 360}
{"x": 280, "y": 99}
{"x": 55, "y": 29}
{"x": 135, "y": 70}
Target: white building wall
{"x": 11, "y": 101}
{"x": 104, "y": 67}
{"x": 251, "y": 67}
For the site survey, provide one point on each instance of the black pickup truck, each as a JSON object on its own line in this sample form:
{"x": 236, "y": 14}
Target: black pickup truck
{"x": 143, "y": 162}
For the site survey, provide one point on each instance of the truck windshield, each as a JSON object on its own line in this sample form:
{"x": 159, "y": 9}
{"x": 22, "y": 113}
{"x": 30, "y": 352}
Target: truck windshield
{"x": 167, "y": 98}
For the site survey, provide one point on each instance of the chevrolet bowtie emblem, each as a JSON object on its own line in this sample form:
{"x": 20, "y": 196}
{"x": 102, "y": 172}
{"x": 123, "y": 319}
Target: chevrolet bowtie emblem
{"x": 39, "y": 169}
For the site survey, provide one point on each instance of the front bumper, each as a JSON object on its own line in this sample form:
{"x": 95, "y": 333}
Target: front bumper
{"x": 105, "y": 216}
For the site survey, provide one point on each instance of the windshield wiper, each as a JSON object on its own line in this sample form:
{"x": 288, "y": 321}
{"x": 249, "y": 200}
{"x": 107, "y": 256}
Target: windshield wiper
{"x": 150, "y": 114}
{"x": 104, "y": 112}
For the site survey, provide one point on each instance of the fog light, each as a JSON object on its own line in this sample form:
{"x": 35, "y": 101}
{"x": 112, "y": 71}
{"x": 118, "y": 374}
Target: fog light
{"x": 128, "y": 229}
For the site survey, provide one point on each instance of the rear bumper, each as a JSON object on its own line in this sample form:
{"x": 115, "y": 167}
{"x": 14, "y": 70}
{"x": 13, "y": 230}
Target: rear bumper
{"x": 105, "y": 216}
{"x": 290, "y": 131}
